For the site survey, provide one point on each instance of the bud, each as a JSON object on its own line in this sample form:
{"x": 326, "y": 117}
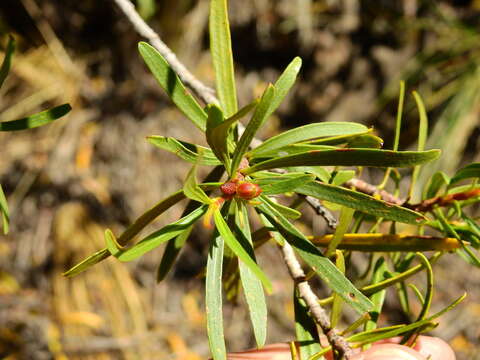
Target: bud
{"x": 248, "y": 191}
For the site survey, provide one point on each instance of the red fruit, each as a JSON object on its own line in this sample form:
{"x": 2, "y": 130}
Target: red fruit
{"x": 229, "y": 188}
{"x": 248, "y": 191}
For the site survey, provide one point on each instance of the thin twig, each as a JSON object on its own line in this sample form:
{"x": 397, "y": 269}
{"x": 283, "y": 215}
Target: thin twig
{"x": 370, "y": 189}
{"x": 200, "y": 89}
{"x": 337, "y": 342}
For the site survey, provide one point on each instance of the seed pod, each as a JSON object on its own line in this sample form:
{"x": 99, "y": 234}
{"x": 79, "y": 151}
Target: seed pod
{"x": 229, "y": 188}
{"x": 248, "y": 190}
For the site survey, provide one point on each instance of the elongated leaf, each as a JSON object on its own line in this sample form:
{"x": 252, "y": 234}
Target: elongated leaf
{"x": 280, "y": 185}
{"x": 422, "y": 137}
{"x": 349, "y": 157}
{"x": 314, "y": 258}
{"x": 7, "y": 60}
{"x": 365, "y": 141}
{"x": 192, "y": 153}
{"x": 129, "y": 233}
{"x": 289, "y": 150}
{"x": 217, "y": 133}
{"x": 221, "y": 50}
{"x": 320, "y": 172}
{"x": 192, "y": 190}
{"x": 213, "y": 299}
{"x": 172, "y": 85}
{"x": 285, "y": 83}
{"x": 342, "y": 176}
{"x": 258, "y": 118}
{"x": 308, "y": 132}
{"x": 36, "y": 120}
{"x": 284, "y": 210}
{"x": 359, "y": 201}
{"x": 380, "y": 272}
{"x": 390, "y": 242}
{"x": 469, "y": 171}
{"x": 4, "y": 211}
{"x": 252, "y": 286}
{"x": 171, "y": 252}
{"x": 159, "y": 237}
{"x": 436, "y": 182}
{"x": 238, "y": 250}
{"x": 337, "y": 304}
{"x": 346, "y": 215}
{"x": 112, "y": 244}
{"x": 305, "y": 329}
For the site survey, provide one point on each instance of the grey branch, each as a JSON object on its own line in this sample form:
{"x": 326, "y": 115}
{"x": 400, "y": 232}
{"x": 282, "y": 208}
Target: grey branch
{"x": 337, "y": 342}
{"x": 201, "y": 90}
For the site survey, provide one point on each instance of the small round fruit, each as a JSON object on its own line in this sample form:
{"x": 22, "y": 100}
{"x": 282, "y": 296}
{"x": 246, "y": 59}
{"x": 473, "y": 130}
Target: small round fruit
{"x": 229, "y": 188}
{"x": 248, "y": 191}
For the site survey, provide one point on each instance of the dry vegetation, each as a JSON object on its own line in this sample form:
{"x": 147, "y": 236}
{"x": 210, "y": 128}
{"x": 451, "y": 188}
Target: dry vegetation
{"x": 66, "y": 182}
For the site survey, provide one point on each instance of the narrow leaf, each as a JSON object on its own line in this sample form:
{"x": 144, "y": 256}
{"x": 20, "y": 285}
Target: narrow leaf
{"x": 308, "y": 132}
{"x": 217, "y": 133}
{"x": 252, "y": 286}
{"x": 221, "y": 50}
{"x": 281, "y": 185}
{"x": 238, "y": 250}
{"x": 192, "y": 190}
{"x": 213, "y": 299}
{"x": 314, "y": 258}
{"x": 36, "y": 120}
{"x": 284, "y": 210}
{"x": 469, "y": 171}
{"x": 172, "y": 85}
{"x": 361, "y": 202}
{"x": 258, "y": 118}
{"x": 111, "y": 241}
{"x": 305, "y": 329}
{"x": 380, "y": 273}
{"x": 7, "y": 60}
{"x": 171, "y": 252}
{"x": 192, "y": 153}
{"x": 438, "y": 180}
{"x": 349, "y": 157}
{"x": 4, "y": 211}
{"x": 159, "y": 237}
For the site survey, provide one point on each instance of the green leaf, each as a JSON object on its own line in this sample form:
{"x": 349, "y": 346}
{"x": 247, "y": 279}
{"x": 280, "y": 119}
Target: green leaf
{"x": 361, "y": 202}
{"x": 7, "y": 60}
{"x": 112, "y": 244}
{"x": 314, "y": 258}
{"x": 217, "y": 133}
{"x": 238, "y": 250}
{"x": 258, "y": 118}
{"x": 469, "y": 171}
{"x": 308, "y": 132}
{"x": 346, "y": 215}
{"x": 320, "y": 172}
{"x": 342, "y": 176}
{"x": 284, "y": 210}
{"x": 348, "y": 157}
{"x": 365, "y": 141}
{"x": 436, "y": 182}
{"x": 36, "y": 120}
{"x": 171, "y": 252}
{"x": 281, "y": 185}
{"x": 221, "y": 50}
{"x": 337, "y": 305}
{"x": 159, "y": 237}
{"x": 305, "y": 329}
{"x": 146, "y": 8}
{"x": 173, "y": 86}
{"x": 285, "y": 83}
{"x": 289, "y": 150}
{"x": 192, "y": 153}
{"x": 192, "y": 190}
{"x": 4, "y": 211}
{"x": 422, "y": 137}
{"x": 251, "y": 284}
{"x": 380, "y": 273}
{"x": 129, "y": 233}
{"x": 213, "y": 299}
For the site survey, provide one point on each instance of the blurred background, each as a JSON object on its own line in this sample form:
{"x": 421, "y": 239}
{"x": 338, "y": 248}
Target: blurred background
{"x": 93, "y": 169}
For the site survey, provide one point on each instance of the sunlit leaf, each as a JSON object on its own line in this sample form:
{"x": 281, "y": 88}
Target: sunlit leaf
{"x": 281, "y": 185}
{"x": 307, "y": 132}
{"x": 172, "y": 85}
{"x": 360, "y": 201}
{"x": 36, "y": 120}
{"x": 349, "y": 157}
{"x": 171, "y": 252}
{"x": 438, "y": 180}
{"x": 192, "y": 190}
{"x": 469, "y": 171}
{"x": 365, "y": 141}
{"x": 221, "y": 50}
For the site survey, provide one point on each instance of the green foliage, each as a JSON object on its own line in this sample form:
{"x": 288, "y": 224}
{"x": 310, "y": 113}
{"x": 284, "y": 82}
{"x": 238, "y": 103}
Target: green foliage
{"x": 307, "y": 161}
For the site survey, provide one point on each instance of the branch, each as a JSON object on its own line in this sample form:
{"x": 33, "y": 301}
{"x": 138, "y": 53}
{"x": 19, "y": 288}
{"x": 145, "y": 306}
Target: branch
{"x": 337, "y": 342}
{"x": 370, "y": 189}
{"x": 142, "y": 28}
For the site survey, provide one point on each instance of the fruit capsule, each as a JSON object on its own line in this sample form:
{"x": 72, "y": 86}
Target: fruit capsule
{"x": 248, "y": 190}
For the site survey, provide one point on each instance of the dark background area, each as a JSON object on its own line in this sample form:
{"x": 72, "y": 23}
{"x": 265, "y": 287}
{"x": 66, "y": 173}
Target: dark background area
{"x": 67, "y": 182}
